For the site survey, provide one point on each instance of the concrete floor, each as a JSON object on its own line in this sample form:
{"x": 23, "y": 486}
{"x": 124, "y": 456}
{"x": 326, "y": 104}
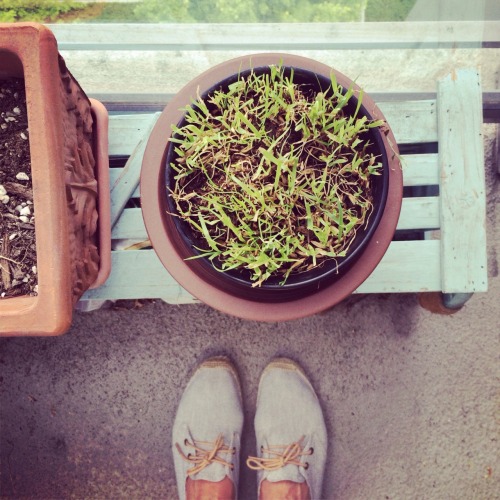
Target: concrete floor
{"x": 411, "y": 399}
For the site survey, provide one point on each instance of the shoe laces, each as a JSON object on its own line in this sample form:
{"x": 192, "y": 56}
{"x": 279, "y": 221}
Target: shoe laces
{"x": 279, "y": 456}
{"x": 205, "y": 454}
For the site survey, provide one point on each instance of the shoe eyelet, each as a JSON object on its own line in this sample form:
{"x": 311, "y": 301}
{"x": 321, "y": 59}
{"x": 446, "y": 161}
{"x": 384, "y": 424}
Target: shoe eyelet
{"x": 234, "y": 450}
{"x": 311, "y": 450}
{"x": 306, "y": 465}
{"x": 189, "y": 456}
{"x": 262, "y": 449}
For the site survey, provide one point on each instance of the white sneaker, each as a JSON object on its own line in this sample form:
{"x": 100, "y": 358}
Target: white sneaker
{"x": 290, "y": 428}
{"x": 207, "y": 428}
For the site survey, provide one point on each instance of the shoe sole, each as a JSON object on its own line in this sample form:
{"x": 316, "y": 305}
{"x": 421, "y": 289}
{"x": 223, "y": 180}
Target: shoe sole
{"x": 286, "y": 364}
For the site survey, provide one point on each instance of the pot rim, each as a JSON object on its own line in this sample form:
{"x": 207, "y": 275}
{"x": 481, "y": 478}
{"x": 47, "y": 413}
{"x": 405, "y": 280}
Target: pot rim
{"x": 153, "y": 205}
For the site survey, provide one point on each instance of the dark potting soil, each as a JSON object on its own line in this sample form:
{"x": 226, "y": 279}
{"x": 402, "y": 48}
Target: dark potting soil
{"x": 18, "y": 273}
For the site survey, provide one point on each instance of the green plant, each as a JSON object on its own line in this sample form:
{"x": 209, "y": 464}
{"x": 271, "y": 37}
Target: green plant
{"x": 388, "y": 10}
{"x": 249, "y": 11}
{"x": 36, "y": 10}
{"x": 273, "y": 176}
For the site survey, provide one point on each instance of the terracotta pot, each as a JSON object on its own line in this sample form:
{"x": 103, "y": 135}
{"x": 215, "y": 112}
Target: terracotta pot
{"x": 69, "y": 162}
{"x": 208, "y": 286}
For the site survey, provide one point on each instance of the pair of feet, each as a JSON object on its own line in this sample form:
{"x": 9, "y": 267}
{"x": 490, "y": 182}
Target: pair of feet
{"x": 289, "y": 426}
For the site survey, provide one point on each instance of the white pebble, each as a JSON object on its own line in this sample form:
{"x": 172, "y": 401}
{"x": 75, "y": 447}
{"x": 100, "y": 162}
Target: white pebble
{"x": 18, "y": 208}
{"x": 3, "y": 295}
{"x": 25, "y": 280}
{"x": 25, "y": 211}
{"x": 2, "y": 190}
{"x": 3, "y": 126}
{"x": 21, "y": 176}
{"x": 33, "y": 269}
{"x": 23, "y": 136}
{"x": 29, "y": 202}
{"x": 24, "y": 219}
{"x": 17, "y": 111}
{"x": 4, "y": 199}
{"x": 12, "y": 236}
{"x": 35, "y": 288}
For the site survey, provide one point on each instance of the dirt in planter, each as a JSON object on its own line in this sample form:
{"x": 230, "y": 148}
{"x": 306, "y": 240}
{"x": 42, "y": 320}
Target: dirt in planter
{"x": 18, "y": 273}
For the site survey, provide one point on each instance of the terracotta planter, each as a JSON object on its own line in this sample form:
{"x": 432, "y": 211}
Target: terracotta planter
{"x": 69, "y": 162}
{"x": 208, "y": 286}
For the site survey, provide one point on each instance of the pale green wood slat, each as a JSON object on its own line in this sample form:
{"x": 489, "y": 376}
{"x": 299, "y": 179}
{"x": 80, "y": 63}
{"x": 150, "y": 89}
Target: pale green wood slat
{"x": 462, "y": 189}
{"x": 406, "y": 267}
{"x": 125, "y": 132}
{"x": 413, "y": 122}
{"x": 419, "y": 213}
{"x": 130, "y": 226}
{"x": 114, "y": 173}
{"x": 418, "y": 170}
{"x": 128, "y": 180}
{"x": 416, "y": 213}
{"x": 139, "y": 274}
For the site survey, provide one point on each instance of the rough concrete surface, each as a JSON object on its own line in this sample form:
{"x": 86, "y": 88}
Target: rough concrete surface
{"x": 411, "y": 399}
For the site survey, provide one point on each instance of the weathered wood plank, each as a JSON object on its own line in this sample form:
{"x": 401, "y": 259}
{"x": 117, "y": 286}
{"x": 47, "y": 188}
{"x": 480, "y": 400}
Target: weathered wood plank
{"x": 462, "y": 188}
{"x": 407, "y": 266}
{"x": 413, "y": 122}
{"x": 140, "y": 274}
{"x": 419, "y": 213}
{"x": 125, "y": 132}
{"x": 272, "y": 36}
{"x": 130, "y": 226}
{"x": 114, "y": 173}
{"x": 418, "y": 170}
{"x": 128, "y": 180}
{"x": 416, "y": 213}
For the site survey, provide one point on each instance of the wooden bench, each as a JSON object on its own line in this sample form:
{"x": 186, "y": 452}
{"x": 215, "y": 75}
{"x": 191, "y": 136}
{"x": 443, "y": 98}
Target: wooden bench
{"x": 440, "y": 243}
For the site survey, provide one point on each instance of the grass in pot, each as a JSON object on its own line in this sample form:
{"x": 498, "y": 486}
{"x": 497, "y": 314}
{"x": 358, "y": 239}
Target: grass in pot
{"x": 276, "y": 180}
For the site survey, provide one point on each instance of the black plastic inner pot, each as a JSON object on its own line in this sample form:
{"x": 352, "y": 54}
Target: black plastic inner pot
{"x": 297, "y": 285}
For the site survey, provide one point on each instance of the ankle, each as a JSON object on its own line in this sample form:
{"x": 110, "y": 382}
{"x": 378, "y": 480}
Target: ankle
{"x": 284, "y": 490}
{"x": 199, "y": 489}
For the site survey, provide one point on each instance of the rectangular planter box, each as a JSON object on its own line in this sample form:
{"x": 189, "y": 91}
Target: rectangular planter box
{"x": 68, "y": 149}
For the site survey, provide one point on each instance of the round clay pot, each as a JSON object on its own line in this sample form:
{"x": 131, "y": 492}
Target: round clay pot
{"x": 232, "y": 293}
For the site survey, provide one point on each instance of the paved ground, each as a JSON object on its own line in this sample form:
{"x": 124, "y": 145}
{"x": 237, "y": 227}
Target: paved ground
{"x": 411, "y": 399}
